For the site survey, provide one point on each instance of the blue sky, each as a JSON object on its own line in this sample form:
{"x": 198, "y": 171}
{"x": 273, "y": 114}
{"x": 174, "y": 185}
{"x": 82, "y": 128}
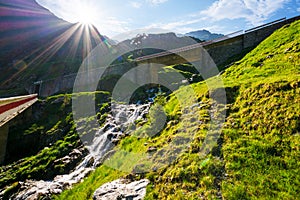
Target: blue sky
{"x": 113, "y": 17}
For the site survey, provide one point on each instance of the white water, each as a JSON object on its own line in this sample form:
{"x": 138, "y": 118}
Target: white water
{"x": 114, "y": 128}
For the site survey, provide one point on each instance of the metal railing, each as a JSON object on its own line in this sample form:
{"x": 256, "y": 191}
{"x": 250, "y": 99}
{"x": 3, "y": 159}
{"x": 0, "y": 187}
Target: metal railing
{"x": 266, "y": 25}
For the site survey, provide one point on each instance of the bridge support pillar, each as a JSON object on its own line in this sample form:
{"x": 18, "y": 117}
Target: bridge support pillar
{"x": 3, "y": 141}
{"x": 153, "y": 72}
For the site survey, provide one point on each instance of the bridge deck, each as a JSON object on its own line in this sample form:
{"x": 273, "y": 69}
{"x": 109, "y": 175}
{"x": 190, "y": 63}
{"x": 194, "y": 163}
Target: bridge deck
{"x": 11, "y": 107}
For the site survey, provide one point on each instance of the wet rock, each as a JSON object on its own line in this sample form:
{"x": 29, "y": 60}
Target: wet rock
{"x": 80, "y": 162}
{"x": 35, "y": 190}
{"x": 8, "y": 191}
{"x": 115, "y": 141}
{"x": 90, "y": 162}
{"x": 75, "y": 153}
{"x": 122, "y": 189}
{"x": 71, "y": 160}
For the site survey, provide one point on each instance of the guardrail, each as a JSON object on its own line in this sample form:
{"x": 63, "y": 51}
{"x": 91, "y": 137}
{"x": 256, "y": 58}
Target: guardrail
{"x": 231, "y": 35}
{"x": 266, "y": 25}
{"x": 189, "y": 47}
{"x": 19, "y": 101}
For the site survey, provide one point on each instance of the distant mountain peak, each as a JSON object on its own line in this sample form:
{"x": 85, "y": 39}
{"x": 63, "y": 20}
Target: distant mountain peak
{"x": 203, "y": 35}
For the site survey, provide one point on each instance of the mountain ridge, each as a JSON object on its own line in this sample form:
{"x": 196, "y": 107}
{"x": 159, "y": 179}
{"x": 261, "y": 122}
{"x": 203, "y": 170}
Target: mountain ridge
{"x": 259, "y": 136}
{"x": 204, "y": 35}
{"x": 34, "y": 41}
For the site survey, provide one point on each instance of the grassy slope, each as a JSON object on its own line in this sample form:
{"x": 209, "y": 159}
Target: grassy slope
{"x": 49, "y": 124}
{"x": 261, "y": 136}
{"x": 258, "y": 151}
{"x": 55, "y": 123}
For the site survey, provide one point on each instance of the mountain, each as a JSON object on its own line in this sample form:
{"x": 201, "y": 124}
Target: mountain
{"x": 204, "y": 35}
{"x": 254, "y": 153}
{"x": 257, "y": 153}
{"x": 25, "y": 25}
{"x": 165, "y": 41}
{"x": 36, "y": 45}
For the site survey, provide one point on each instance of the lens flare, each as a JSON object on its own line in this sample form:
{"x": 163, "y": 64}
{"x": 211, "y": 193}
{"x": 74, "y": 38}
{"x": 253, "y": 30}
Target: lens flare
{"x": 86, "y": 14}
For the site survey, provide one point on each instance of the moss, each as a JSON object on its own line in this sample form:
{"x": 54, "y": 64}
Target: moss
{"x": 86, "y": 189}
{"x": 256, "y": 156}
{"x": 58, "y": 135}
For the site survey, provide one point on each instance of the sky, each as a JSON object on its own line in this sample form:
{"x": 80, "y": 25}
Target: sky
{"x": 115, "y": 17}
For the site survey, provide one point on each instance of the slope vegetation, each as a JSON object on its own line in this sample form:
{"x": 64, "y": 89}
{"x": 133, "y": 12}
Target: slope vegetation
{"x": 257, "y": 154}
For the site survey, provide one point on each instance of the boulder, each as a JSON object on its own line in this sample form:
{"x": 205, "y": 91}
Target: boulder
{"x": 122, "y": 189}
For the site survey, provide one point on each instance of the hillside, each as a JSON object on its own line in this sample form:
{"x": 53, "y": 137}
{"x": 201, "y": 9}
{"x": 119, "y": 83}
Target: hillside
{"x": 36, "y": 45}
{"x": 256, "y": 155}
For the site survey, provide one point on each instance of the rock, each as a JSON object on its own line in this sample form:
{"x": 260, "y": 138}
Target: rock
{"x": 77, "y": 164}
{"x": 184, "y": 81}
{"x": 287, "y": 50}
{"x": 122, "y": 189}
{"x": 172, "y": 122}
{"x": 8, "y": 191}
{"x": 58, "y": 100}
{"x": 72, "y": 159}
{"x": 76, "y": 153}
{"x": 151, "y": 149}
{"x": 154, "y": 169}
{"x": 38, "y": 190}
{"x": 115, "y": 141}
{"x": 90, "y": 162}
{"x": 193, "y": 119}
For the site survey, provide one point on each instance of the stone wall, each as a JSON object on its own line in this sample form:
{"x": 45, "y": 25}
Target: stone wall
{"x": 220, "y": 52}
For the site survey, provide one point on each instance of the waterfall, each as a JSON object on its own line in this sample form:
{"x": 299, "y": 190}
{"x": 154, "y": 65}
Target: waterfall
{"x": 115, "y": 127}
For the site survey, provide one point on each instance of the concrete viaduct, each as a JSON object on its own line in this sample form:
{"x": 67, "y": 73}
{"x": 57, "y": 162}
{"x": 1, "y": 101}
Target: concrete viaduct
{"x": 220, "y": 50}
{"x": 15, "y": 109}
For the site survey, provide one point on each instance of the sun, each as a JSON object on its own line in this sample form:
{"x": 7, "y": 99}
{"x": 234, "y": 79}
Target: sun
{"x": 86, "y": 14}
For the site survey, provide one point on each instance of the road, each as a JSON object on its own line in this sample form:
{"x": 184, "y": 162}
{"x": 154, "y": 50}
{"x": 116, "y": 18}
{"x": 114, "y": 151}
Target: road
{"x": 11, "y": 107}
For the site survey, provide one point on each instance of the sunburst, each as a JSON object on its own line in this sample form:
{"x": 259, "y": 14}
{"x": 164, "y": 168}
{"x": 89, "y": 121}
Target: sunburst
{"x": 86, "y": 14}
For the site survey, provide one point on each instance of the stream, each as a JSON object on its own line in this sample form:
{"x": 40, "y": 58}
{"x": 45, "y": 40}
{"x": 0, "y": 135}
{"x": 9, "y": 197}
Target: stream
{"x": 113, "y": 130}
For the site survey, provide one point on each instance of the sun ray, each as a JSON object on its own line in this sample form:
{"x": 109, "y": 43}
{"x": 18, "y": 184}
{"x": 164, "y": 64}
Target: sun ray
{"x": 49, "y": 50}
{"x": 73, "y": 41}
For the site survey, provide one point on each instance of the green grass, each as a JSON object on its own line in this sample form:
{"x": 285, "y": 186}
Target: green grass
{"x": 257, "y": 154}
{"x": 261, "y": 137}
{"x": 86, "y": 189}
{"x": 54, "y": 125}
{"x": 40, "y": 165}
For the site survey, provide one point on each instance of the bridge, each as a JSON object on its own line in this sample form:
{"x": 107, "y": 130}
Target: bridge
{"x": 13, "y": 110}
{"x": 220, "y": 50}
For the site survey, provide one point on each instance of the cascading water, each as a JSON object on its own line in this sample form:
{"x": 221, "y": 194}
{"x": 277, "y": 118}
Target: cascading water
{"x": 114, "y": 128}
